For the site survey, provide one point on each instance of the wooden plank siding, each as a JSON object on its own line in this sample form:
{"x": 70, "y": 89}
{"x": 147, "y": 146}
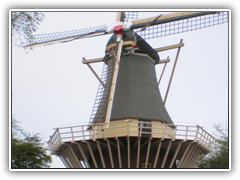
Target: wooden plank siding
{"x": 121, "y": 128}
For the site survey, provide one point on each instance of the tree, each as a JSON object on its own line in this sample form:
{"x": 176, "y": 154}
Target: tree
{"x": 27, "y": 150}
{"x": 220, "y": 158}
{"x": 23, "y": 25}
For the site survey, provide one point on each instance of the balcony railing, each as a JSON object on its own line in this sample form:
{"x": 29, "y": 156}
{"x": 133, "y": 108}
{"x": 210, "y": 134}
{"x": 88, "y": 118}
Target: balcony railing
{"x": 131, "y": 128}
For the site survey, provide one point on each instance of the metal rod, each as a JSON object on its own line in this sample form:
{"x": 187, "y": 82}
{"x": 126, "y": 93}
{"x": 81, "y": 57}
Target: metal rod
{"x": 172, "y": 73}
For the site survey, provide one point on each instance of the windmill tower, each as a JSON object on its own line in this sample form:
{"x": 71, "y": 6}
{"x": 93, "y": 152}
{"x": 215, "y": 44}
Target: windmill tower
{"x": 130, "y": 126}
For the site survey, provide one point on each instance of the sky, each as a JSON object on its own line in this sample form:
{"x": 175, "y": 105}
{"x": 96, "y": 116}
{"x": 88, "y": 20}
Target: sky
{"x": 52, "y": 88}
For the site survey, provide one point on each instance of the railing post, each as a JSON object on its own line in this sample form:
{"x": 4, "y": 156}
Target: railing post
{"x": 164, "y": 129}
{"x": 210, "y": 139}
{"x": 128, "y": 128}
{"x": 204, "y": 137}
{"x": 152, "y": 126}
{"x": 72, "y": 134}
{"x": 59, "y": 135}
{"x": 175, "y": 132}
{"x": 200, "y": 139}
{"x": 140, "y": 129}
{"x": 196, "y": 133}
{"x": 186, "y": 133}
{"x": 105, "y": 134}
{"x": 207, "y": 140}
{"x": 115, "y": 129}
{"x": 83, "y": 134}
{"x": 93, "y": 133}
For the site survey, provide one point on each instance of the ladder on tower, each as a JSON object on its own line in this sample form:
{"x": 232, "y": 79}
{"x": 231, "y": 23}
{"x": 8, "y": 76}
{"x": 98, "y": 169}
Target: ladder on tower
{"x": 99, "y": 112}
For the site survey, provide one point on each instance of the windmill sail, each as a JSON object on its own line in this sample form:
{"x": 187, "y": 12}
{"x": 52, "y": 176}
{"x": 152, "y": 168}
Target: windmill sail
{"x": 65, "y": 36}
{"x": 162, "y": 26}
{"x": 131, "y": 15}
{"x": 178, "y": 23}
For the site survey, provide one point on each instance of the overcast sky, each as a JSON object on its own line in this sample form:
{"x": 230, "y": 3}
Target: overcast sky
{"x": 52, "y": 88}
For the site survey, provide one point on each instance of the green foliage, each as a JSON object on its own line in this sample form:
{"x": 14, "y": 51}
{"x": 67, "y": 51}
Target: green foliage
{"x": 220, "y": 158}
{"x": 27, "y": 150}
{"x": 23, "y": 25}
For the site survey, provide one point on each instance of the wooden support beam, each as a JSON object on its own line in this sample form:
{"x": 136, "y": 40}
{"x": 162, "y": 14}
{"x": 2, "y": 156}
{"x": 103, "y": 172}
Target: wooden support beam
{"x": 194, "y": 158}
{"x": 162, "y": 73}
{"x": 166, "y": 154}
{"x": 90, "y": 67}
{"x": 65, "y": 160}
{"x": 138, "y": 152}
{"x": 92, "y": 60}
{"x": 188, "y": 157}
{"x": 110, "y": 153}
{"x": 100, "y": 153}
{"x": 120, "y": 16}
{"x": 92, "y": 155}
{"x": 163, "y": 61}
{"x": 70, "y": 157}
{"x": 146, "y": 142}
{"x": 128, "y": 149}
{"x": 183, "y": 156}
{"x": 119, "y": 153}
{"x": 175, "y": 154}
{"x": 200, "y": 160}
{"x": 169, "y": 47}
{"x": 165, "y": 99}
{"x": 77, "y": 162}
{"x": 148, "y": 150}
{"x": 121, "y": 143}
{"x": 82, "y": 153}
{"x": 157, "y": 154}
{"x": 113, "y": 84}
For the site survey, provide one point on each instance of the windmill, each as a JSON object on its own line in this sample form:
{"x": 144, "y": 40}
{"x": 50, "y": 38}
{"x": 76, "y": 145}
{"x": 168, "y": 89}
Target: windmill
{"x": 106, "y": 141}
